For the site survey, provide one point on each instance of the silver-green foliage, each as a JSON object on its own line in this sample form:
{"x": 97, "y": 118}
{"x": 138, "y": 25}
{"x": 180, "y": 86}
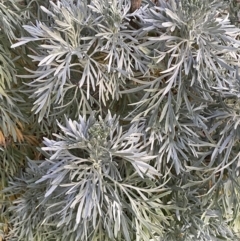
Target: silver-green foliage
{"x": 93, "y": 185}
{"x": 164, "y": 165}
{"x": 83, "y": 58}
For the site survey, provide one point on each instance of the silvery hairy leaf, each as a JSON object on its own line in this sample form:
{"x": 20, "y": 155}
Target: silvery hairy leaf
{"x": 119, "y": 121}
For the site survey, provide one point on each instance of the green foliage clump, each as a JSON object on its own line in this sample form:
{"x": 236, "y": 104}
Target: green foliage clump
{"x": 119, "y": 125}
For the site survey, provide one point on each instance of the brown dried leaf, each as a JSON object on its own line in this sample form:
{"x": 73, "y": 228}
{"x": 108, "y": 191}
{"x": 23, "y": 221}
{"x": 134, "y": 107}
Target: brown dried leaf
{"x": 30, "y": 139}
{"x": 2, "y": 139}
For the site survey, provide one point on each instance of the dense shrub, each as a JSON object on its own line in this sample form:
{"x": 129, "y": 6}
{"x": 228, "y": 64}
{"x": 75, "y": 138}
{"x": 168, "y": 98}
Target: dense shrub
{"x": 118, "y": 124}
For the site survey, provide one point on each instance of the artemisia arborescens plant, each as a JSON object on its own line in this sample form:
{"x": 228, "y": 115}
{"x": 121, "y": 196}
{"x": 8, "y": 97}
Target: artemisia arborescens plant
{"x": 119, "y": 122}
